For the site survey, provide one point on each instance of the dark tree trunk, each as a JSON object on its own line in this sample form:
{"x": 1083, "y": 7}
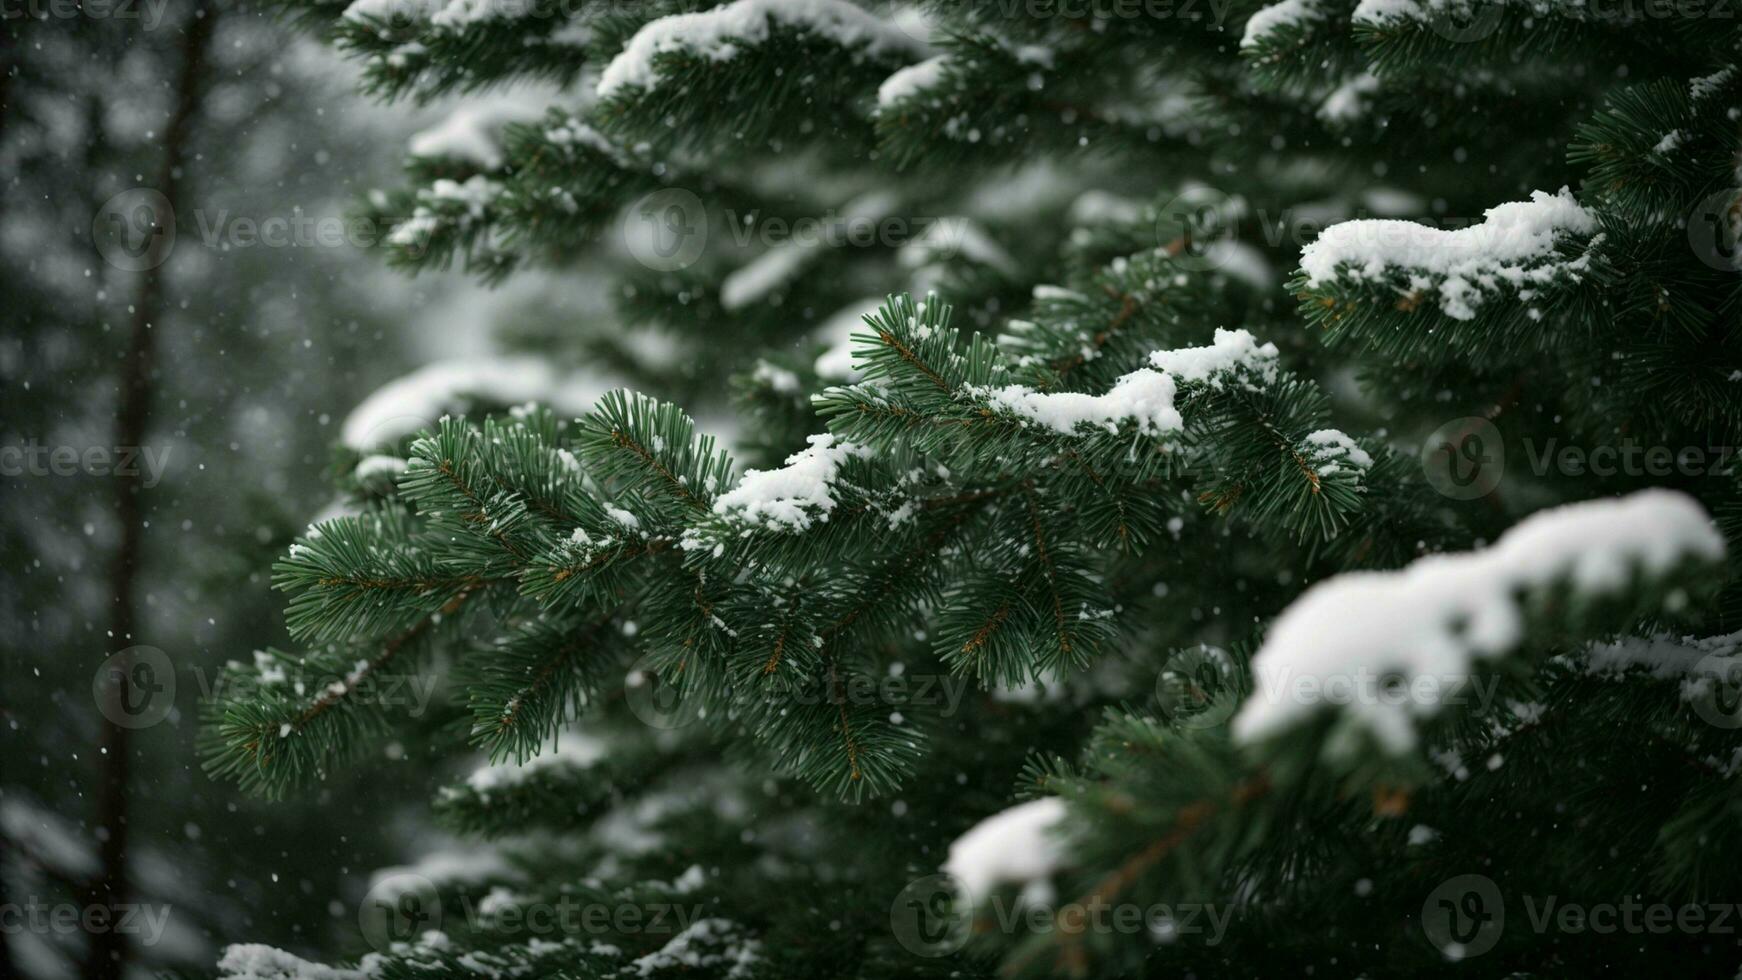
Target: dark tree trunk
{"x": 109, "y": 950}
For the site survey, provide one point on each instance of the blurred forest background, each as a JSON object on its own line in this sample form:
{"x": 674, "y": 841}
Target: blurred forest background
{"x": 263, "y": 324}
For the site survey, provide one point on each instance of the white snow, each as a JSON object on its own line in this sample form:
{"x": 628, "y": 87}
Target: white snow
{"x": 1383, "y": 12}
{"x": 836, "y": 363}
{"x": 256, "y": 961}
{"x": 762, "y": 275}
{"x": 1704, "y": 86}
{"x": 1278, "y": 15}
{"x": 951, "y": 237}
{"x": 1013, "y": 846}
{"x": 1660, "y": 654}
{"x": 1144, "y": 396}
{"x": 472, "y": 132}
{"x": 1098, "y": 207}
{"x": 910, "y": 81}
{"x": 1512, "y": 245}
{"x": 718, "y": 34}
{"x": 393, "y": 10}
{"x": 777, "y": 378}
{"x": 1231, "y": 351}
{"x": 378, "y": 466}
{"x": 793, "y": 497}
{"x": 1348, "y": 101}
{"x": 784, "y": 261}
{"x": 570, "y": 750}
{"x": 1332, "y": 448}
{"x": 1430, "y": 622}
{"x": 417, "y": 400}
{"x": 708, "y": 944}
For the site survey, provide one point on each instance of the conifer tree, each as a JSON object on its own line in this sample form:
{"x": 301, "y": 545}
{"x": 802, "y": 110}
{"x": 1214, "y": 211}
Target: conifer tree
{"x": 1275, "y": 519}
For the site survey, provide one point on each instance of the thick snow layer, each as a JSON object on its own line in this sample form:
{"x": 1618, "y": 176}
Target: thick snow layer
{"x": 1661, "y": 654}
{"x": 256, "y": 961}
{"x": 718, "y": 33}
{"x": 792, "y": 497}
{"x": 1348, "y": 101}
{"x": 1428, "y": 623}
{"x": 1513, "y": 245}
{"x": 910, "y": 81}
{"x": 1012, "y": 847}
{"x": 1231, "y": 350}
{"x": 711, "y": 945}
{"x": 570, "y": 750}
{"x": 836, "y": 363}
{"x": 1144, "y": 396}
{"x": 393, "y": 10}
{"x": 1278, "y": 15}
{"x": 418, "y": 400}
{"x": 473, "y": 132}
{"x": 769, "y": 271}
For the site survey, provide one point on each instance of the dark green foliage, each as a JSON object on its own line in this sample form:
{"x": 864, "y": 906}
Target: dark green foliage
{"x": 1097, "y": 589}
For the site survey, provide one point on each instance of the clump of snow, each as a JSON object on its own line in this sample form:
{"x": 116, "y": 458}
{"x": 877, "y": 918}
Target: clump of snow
{"x": 443, "y": 201}
{"x": 767, "y": 272}
{"x": 777, "y": 378}
{"x": 1703, "y": 87}
{"x": 405, "y": 405}
{"x": 1513, "y": 245}
{"x": 1348, "y": 101}
{"x": 1144, "y": 396}
{"x": 836, "y": 363}
{"x": 571, "y": 750}
{"x": 257, "y": 961}
{"x": 1662, "y": 654}
{"x": 472, "y": 132}
{"x": 910, "y": 81}
{"x": 378, "y": 467}
{"x": 393, "y": 10}
{"x": 1011, "y": 847}
{"x": 949, "y": 238}
{"x": 793, "y": 497}
{"x": 1431, "y": 621}
{"x": 1331, "y": 449}
{"x": 1278, "y": 15}
{"x": 1231, "y": 352}
{"x": 708, "y": 944}
{"x": 1380, "y": 13}
{"x": 1098, "y": 207}
{"x": 719, "y": 33}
